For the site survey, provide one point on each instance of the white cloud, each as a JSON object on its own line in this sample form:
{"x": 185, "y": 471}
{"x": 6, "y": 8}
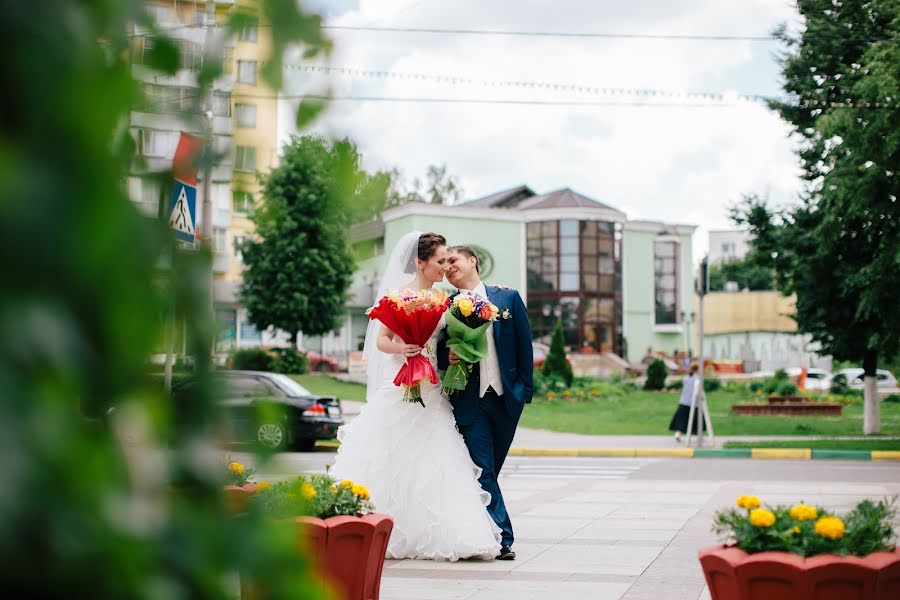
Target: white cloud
{"x": 679, "y": 164}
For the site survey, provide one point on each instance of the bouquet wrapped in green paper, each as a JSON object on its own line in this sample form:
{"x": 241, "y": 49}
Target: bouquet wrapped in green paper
{"x": 467, "y": 321}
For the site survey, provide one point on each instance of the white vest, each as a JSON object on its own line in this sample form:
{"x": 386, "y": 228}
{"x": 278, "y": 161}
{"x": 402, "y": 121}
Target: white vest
{"x": 489, "y": 366}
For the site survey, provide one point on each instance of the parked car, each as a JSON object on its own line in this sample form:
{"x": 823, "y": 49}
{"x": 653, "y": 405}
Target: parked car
{"x": 855, "y": 378}
{"x": 320, "y": 362}
{"x": 271, "y": 409}
{"x": 816, "y": 379}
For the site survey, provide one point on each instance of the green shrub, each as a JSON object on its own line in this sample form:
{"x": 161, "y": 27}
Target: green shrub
{"x": 781, "y": 375}
{"x": 675, "y": 385}
{"x": 556, "y": 364}
{"x": 892, "y": 398}
{"x": 251, "y": 359}
{"x": 839, "y": 384}
{"x": 289, "y": 361}
{"x": 548, "y": 383}
{"x": 735, "y": 387}
{"x": 656, "y": 376}
{"x": 787, "y": 389}
{"x": 711, "y": 384}
{"x": 757, "y": 386}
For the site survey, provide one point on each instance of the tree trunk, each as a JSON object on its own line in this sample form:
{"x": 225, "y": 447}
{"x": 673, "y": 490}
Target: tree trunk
{"x": 871, "y": 402}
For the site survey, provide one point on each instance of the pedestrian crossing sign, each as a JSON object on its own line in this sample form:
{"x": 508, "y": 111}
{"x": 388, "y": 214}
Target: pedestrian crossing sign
{"x": 183, "y": 212}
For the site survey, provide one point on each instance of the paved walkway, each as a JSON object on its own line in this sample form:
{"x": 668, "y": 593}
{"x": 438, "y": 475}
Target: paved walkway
{"x": 586, "y": 529}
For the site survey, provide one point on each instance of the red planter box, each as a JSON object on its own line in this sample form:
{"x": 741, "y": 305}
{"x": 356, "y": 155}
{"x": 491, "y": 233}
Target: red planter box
{"x": 349, "y": 551}
{"x": 732, "y": 574}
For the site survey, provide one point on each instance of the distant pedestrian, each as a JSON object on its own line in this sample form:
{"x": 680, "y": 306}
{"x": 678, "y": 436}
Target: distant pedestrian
{"x": 679, "y": 422}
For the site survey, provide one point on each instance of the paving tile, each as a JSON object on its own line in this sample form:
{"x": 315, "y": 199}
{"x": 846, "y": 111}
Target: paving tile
{"x": 532, "y": 590}
{"x": 540, "y": 527}
{"x": 572, "y": 510}
{"x": 600, "y": 530}
{"x": 614, "y": 560}
{"x": 430, "y": 589}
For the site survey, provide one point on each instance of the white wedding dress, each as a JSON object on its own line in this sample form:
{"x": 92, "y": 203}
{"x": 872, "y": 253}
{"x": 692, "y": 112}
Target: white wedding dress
{"x": 417, "y": 468}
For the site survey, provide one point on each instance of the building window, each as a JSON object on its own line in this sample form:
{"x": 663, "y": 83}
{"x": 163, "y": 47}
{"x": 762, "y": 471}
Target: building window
{"x": 158, "y": 143}
{"x": 665, "y": 275}
{"x": 574, "y": 276}
{"x": 249, "y": 332}
{"x": 191, "y": 56}
{"x": 247, "y": 71}
{"x": 221, "y": 104}
{"x": 159, "y": 13}
{"x": 242, "y": 202}
{"x": 245, "y": 159}
{"x": 250, "y": 31}
{"x": 246, "y": 115}
{"x": 220, "y": 240}
{"x": 166, "y": 98}
{"x": 236, "y": 245}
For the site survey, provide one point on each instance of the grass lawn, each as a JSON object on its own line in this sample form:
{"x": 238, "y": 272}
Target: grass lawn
{"x": 649, "y": 413}
{"x": 320, "y": 383}
{"x": 870, "y": 444}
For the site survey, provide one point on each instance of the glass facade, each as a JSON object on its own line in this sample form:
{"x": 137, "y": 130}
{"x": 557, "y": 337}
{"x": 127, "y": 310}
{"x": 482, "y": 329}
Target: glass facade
{"x": 574, "y": 273}
{"x": 665, "y": 279}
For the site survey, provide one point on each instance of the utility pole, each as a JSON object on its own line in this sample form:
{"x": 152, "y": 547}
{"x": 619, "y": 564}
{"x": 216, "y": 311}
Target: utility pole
{"x": 208, "y": 236}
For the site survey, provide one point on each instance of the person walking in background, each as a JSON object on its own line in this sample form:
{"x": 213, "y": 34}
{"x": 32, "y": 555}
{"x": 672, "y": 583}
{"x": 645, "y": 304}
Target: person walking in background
{"x": 679, "y": 422}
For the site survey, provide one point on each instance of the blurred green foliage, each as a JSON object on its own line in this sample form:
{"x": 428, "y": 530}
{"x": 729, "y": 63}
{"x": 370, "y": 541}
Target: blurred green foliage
{"x": 90, "y": 506}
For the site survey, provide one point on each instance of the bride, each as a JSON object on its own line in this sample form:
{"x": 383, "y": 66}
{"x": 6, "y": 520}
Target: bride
{"x": 412, "y": 459}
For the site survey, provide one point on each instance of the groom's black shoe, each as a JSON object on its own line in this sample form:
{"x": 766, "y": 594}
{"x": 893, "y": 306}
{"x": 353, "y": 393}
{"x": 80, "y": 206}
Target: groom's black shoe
{"x": 506, "y": 553}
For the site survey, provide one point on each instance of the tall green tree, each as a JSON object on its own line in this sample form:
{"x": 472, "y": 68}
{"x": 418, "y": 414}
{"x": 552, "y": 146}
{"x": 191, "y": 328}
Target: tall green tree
{"x": 839, "y": 248}
{"x": 556, "y": 364}
{"x": 748, "y": 274}
{"x": 299, "y": 267}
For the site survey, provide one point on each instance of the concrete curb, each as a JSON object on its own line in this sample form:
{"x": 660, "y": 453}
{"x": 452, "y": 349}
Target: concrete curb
{"x": 758, "y": 453}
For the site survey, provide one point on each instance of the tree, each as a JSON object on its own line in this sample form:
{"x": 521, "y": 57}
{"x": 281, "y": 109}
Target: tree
{"x": 656, "y": 375}
{"x": 839, "y": 248}
{"x": 300, "y": 266}
{"x": 746, "y": 273}
{"x": 556, "y": 363}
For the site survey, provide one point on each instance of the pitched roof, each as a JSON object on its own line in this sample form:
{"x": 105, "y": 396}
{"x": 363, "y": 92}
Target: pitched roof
{"x": 564, "y": 198}
{"x": 506, "y": 199}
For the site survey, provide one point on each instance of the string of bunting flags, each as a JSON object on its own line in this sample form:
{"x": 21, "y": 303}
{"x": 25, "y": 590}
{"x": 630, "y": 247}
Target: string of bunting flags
{"x": 717, "y": 97}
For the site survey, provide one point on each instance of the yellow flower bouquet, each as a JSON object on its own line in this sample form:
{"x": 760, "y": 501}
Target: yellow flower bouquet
{"x": 807, "y": 530}
{"x": 313, "y": 495}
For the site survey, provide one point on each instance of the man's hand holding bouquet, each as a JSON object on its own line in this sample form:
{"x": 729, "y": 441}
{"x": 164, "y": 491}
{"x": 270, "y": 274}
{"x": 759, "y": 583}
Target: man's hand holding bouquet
{"x": 467, "y": 322}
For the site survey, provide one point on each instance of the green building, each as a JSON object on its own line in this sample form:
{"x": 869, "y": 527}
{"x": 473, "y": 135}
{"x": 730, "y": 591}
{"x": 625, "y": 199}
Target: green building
{"x": 618, "y": 286}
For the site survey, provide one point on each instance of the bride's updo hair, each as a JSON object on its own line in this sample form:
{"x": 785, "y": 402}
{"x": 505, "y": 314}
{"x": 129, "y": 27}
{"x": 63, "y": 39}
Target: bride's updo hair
{"x": 428, "y": 245}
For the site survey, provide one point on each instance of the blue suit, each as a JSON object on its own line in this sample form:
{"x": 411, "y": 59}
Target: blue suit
{"x": 488, "y": 424}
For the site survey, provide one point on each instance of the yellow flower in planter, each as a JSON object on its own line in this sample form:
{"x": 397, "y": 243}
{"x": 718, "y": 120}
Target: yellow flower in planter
{"x": 748, "y": 502}
{"x": 360, "y": 491}
{"x": 262, "y": 486}
{"x": 347, "y": 484}
{"x": 566, "y": 393}
{"x": 307, "y": 491}
{"x": 795, "y": 530}
{"x": 236, "y": 468}
{"x": 830, "y": 527}
{"x": 803, "y": 512}
{"x": 595, "y": 392}
{"x": 761, "y": 517}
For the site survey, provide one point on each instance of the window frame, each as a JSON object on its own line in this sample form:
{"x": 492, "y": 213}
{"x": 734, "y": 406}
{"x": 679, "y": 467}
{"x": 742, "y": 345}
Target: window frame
{"x": 245, "y": 106}
{"x": 659, "y": 274}
{"x": 240, "y": 73}
{"x": 240, "y": 159}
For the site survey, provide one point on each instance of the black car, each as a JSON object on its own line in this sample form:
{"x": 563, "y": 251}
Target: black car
{"x": 272, "y": 409}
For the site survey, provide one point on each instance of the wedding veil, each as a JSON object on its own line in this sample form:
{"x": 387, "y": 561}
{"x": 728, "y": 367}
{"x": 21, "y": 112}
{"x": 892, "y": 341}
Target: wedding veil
{"x": 399, "y": 272}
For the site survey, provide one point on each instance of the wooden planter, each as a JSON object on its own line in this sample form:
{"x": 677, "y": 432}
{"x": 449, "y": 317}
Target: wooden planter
{"x": 732, "y": 574}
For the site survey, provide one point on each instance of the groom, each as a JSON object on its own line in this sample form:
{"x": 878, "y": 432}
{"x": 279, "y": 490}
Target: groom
{"x": 488, "y": 409}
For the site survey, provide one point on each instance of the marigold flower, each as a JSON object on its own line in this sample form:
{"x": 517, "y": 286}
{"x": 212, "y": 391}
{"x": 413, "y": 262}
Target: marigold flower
{"x": 346, "y": 484}
{"x": 748, "y": 502}
{"x": 803, "y": 512}
{"x": 795, "y": 529}
{"x": 830, "y": 527}
{"x": 262, "y": 486}
{"x": 761, "y": 517}
{"x": 307, "y": 491}
{"x": 360, "y": 491}
{"x": 236, "y": 468}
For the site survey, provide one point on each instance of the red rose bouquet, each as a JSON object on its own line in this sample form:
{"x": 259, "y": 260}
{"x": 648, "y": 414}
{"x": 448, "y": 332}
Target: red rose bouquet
{"x": 413, "y": 316}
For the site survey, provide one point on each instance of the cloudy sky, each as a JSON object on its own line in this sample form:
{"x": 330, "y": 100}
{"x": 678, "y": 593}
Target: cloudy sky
{"x": 678, "y": 159}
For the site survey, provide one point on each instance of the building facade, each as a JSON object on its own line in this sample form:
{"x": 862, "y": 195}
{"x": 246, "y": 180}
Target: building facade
{"x": 728, "y": 245}
{"x": 245, "y": 123}
{"x": 617, "y": 286}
